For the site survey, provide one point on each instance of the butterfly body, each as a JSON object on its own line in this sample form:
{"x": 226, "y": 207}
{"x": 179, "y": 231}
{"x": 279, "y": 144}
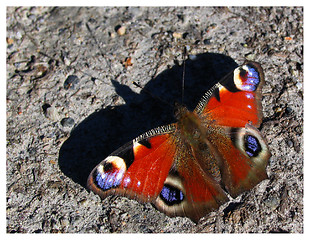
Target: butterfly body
{"x": 187, "y": 168}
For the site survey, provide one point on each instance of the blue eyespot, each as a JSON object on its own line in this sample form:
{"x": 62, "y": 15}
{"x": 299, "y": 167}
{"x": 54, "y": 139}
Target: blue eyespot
{"x": 250, "y": 79}
{"x": 171, "y": 195}
{"x": 252, "y": 146}
{"x": 109, "y": 180}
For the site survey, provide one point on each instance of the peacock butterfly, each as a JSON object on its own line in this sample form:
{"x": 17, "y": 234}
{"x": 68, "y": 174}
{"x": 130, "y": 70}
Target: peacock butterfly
{"x": 186, "y": 168}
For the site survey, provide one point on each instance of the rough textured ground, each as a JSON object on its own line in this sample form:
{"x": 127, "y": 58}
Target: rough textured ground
{"x": 71, "y": 102}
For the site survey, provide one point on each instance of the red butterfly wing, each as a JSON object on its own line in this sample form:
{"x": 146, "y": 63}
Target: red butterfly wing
{"x": 234, "y": 105}
{"x": 138, "y": 169}
{"x": 236, "y": 99}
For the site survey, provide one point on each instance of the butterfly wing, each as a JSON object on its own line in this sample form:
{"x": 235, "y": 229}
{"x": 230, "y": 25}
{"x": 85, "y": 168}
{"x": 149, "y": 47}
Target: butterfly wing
{"x": 236, "y": 99}
{"x": 234, "y": 104}
{"x": 138, "y": 169}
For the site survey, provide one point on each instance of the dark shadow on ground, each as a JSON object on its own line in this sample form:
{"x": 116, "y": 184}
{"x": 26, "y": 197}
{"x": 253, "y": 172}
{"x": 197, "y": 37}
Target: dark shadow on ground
{"x": 104, "y": 131}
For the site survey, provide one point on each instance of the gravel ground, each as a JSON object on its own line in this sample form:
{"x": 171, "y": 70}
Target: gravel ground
{"x": 71, "y": 102}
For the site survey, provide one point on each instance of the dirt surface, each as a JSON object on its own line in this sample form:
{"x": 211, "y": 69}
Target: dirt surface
{"x": 71, "y": 102}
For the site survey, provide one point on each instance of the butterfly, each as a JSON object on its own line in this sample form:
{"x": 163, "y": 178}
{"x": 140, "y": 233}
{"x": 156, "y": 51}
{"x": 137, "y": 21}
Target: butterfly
{"x": 187, "y": 168}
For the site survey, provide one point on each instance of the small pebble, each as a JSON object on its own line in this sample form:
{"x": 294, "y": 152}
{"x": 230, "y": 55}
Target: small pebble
{"x": 9, "y": 41}
{"x": 50, "y": 112}
{"x": 207, "y": 41}
{"x": 67, "y": 61}
{"x": 299, "y": 85}
{"x": 18, "y": 35}
{"x": 121, "y": 30}
{"x": 251, "y": 57}
{"x": 272, "y": 202}
{"x": 71, "y": 82}
{"x": 289, "y": 143}
{"x": 113, "y": 35}
{"x": 177, "y": 35}
{"x": 67, "y": 122}
{"x": 84, "y": 202}
{"x": 64, "y": 222}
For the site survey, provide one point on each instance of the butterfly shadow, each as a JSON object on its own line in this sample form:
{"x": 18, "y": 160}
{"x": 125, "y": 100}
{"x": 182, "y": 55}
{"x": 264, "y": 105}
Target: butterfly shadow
{"x": 107, "y": 129}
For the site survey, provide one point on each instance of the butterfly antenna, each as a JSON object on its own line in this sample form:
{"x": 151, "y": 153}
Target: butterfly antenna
{"x": 183, "y": 74}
